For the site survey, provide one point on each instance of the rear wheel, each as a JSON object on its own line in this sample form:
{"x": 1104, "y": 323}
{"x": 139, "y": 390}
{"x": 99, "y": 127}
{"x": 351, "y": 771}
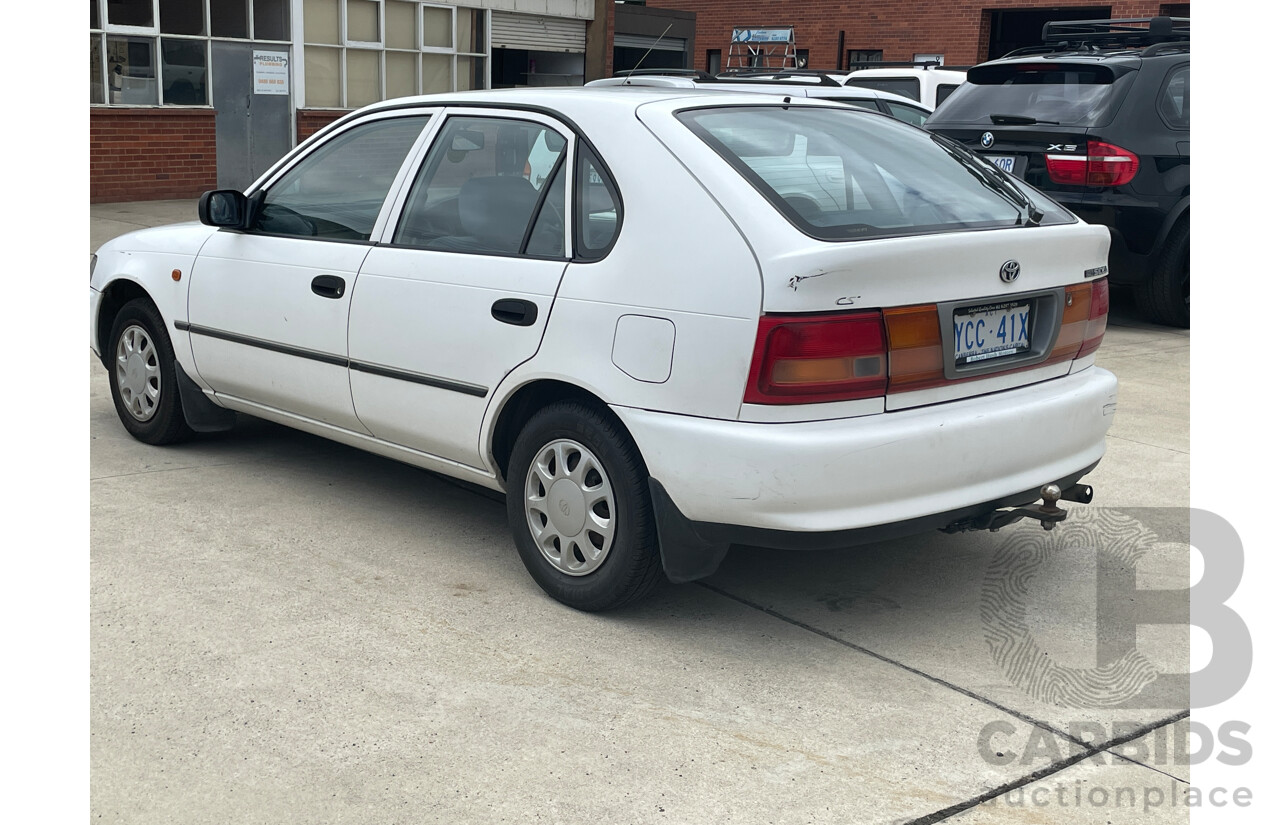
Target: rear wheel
{"x": 579, "y": 509}
{"x": 144, "y": 383}
{"x": 1165, "y": 297}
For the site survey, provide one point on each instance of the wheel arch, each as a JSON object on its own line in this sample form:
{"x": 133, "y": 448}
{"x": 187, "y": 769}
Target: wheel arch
{"x": 517, "y": 408}
{"x": 1180, "y": 212}
{"x": 114, "y": 296}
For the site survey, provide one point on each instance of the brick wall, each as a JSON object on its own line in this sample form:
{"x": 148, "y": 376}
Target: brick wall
{"x": 901, "y": 28}
{"x": 150, "y": 154}
{"x": 311, "y": 121}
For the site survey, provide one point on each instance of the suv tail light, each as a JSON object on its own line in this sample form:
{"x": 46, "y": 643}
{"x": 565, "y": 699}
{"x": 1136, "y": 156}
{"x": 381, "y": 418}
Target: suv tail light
{"x": 1104, "y": 164}
{"x": 805, "y": 359}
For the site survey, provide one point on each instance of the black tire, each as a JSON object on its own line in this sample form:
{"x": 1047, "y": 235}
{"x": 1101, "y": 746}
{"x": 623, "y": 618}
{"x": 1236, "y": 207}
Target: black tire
{"x": 1165, "y": 297}
{"x": 155, "y": 415}
{"x": 631, "y": 566}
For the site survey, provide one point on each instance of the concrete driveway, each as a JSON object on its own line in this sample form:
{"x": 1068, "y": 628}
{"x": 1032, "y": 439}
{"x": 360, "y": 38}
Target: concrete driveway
{"x": 289, "y": 630}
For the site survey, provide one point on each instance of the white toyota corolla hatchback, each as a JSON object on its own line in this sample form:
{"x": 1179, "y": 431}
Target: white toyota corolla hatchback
{"x": 662, "y": 321}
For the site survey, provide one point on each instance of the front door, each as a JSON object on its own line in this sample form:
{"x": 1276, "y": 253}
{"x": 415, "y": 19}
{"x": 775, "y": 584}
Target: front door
{"x": 268, "y": 307}
{"x": 251, "y": 128}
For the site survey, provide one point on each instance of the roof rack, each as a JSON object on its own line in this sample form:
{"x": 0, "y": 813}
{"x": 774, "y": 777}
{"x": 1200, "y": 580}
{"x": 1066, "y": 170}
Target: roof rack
{"x": 776, "y": 76}
{"x": 891, "y": 64}
{"x": 695, "y": 74}
{"x": 1130, "y": 31}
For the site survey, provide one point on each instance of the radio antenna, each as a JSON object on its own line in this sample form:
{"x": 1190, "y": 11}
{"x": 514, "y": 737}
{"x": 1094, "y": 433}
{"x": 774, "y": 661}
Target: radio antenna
{"x": 651, "y": 48}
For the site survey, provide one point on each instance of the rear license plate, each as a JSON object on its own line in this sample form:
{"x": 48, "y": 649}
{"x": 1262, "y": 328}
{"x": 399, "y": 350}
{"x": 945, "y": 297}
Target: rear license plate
{"x": 992, "y": 331}
{"x": 1003, "y": 162}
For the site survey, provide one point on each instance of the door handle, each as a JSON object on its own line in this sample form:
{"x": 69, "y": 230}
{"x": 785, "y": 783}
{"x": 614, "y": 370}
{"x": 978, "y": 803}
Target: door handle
{"x": 515, "y": 311}
{"x": 328, "y": 286}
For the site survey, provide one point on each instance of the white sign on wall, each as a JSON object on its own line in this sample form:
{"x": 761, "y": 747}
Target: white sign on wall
{"x": 270, "y": 73}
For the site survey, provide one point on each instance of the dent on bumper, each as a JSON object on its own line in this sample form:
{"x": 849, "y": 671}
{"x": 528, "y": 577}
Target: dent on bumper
{"x": 847, "y": 474}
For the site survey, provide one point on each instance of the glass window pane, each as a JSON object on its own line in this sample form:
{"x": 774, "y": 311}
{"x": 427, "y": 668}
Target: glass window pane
{"x": 471, "y": 74}
{"x": 362, "y": 21}
{"x": 97, "y": 94}
{"x": 436, "y": 73}
{"x": 362, "y": 77}
{"x": 437, "y": 27}
{"x": 270, "y": 20}
{"x": 475, "y": 192}
{"x": 229, "y": 18}
{"x": 547, "y": 239}
{"x": 596, "y": 207}
{"x": 470, "y": 30}
{"x": 94, "y": 22}
{"x": 337, "y": 191}
{"x": 131, "y": 71}
{"x": 323, "y": 72}
{"x": 130, "y": 13}
{"x": 402, "y": 74}
{"x": 402, "y": 25}
{"x": 320, "y": 21}
{"x": 183, "y": 68}
{"x": 182, "y": 16}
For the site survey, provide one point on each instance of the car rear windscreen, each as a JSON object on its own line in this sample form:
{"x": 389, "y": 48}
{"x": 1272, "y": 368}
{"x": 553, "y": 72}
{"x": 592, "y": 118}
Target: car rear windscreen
{"x": 846, "y": 174}
{"x": 1050, "y": 93}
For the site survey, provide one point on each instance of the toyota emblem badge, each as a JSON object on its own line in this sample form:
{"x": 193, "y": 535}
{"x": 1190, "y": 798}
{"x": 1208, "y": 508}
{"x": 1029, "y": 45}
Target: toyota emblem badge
{"x": 1009, "y": 271}
{"x": 987, "y": 140}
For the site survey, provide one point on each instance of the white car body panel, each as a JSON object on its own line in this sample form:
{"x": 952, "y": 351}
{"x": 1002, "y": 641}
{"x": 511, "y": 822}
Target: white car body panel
{"x": 929, "y": 80}
{"x": 259, "y": 287}
{"x": 849, "y": 474}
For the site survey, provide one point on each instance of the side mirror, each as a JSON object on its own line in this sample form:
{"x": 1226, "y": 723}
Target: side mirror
{"x": 223, "y": 207}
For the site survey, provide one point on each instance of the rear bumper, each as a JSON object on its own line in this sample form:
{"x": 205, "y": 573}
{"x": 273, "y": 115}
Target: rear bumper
{"x": 835, "y": 483}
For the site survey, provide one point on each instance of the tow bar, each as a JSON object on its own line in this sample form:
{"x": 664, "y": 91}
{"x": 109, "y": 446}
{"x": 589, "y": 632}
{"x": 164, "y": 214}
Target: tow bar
{"x": 1048, "y": 513}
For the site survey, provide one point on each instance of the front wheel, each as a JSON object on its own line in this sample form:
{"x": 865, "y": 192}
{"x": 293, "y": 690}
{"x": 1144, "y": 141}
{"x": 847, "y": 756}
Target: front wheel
{"x": 144, "y": 383}
{"x": 579, "y": 509}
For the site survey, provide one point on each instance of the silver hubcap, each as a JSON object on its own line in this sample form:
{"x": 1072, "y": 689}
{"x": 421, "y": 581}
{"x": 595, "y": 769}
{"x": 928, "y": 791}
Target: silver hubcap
{"x": 138, "y": 372}
{"x": 570, "y": 507}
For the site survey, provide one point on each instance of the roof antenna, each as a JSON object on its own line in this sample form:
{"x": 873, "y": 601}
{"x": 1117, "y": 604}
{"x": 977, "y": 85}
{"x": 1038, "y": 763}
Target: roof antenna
{"x": 627, "y": 79}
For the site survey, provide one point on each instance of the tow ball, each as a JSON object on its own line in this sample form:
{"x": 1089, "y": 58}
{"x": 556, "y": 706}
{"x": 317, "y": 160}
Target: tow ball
{"x": 1048, "y": 513}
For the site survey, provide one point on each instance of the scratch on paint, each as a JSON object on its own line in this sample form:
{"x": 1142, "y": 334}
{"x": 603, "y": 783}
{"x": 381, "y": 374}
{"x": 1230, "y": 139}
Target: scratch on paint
{"x": 794, "y": 283}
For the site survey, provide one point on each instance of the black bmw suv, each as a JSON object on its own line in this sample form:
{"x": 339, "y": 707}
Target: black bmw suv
{"x": 1099, "y": 119}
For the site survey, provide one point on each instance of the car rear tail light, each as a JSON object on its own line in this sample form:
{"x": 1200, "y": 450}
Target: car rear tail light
{"x": 809, "y": 359}
{"x": 915, "y": 348}
{"x": 1099, "y": 307}
{"x": 1084, "y": 320}
{"x": 1104, "y": 164}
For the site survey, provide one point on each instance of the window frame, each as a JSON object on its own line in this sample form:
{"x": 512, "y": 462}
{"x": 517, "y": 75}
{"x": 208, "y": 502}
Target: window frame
{"x": 588, "y": 153}
{"x": 1164, "y": 91}
{"x": 423, "y": 152}
{"x": 390, "y": 201}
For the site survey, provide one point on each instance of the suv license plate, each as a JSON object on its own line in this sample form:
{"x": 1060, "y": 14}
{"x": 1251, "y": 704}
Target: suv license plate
{"x": 1002, "y": 162}
{"x": 992, "y": 331}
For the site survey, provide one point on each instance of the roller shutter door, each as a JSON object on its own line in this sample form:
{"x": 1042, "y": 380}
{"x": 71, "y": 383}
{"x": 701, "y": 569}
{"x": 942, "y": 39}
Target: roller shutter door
{"x": 536, "y": 33}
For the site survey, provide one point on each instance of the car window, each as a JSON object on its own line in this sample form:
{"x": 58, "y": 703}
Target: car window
{"x": 905, "y": 86}
{"x": 860, "y": 102}
{"x": 839, "y": 175}
{"x": 597, "y": 206}
{"x": 1175, "y": 99}
{"x": 336, "y": 192}
{"x": 480, "y": 186}
{"x": 547, "y": 238}
{"x": 944, "y": 91}
{"x": 907, "y": 114}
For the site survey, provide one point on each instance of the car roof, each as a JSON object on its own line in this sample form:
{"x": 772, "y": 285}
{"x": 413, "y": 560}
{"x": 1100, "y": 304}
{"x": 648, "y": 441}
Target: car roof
{"x": 573, "y": 102}
{"x": 816, "y": 90}
{"x": 941, "y": 75}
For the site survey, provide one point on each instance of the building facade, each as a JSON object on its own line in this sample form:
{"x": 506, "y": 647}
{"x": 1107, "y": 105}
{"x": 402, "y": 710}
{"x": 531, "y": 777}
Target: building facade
{"x": 835, "y": 34}
{"x": 190, "y": 95}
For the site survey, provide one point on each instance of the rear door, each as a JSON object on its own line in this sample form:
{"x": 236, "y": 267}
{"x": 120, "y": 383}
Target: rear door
{"x": 459, "y": 291}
